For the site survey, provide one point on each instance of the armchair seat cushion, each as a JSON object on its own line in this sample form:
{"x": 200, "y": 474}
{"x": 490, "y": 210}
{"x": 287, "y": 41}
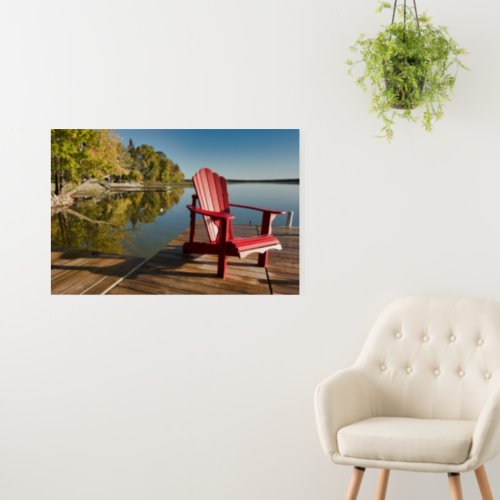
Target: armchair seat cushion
{"x": 399, "y": 439}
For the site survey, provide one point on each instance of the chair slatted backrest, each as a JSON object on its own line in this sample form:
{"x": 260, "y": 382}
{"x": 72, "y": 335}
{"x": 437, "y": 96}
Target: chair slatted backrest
{"x": 211, "y": 190}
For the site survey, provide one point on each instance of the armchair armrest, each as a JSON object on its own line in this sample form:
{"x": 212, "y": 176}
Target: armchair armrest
{"x": 342, "y": 399}
{"x": 486, "y": 437}
{"x": 270, "y": 210}
{"x": 215, "y": 215}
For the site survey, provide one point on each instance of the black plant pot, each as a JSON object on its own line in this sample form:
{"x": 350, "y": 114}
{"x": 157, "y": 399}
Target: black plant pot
{"x": 403, "y": 99}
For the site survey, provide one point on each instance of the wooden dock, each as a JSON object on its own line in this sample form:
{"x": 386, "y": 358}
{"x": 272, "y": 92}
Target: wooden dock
{"x": 170, "y": 272}
{"x": 80, "y": 272}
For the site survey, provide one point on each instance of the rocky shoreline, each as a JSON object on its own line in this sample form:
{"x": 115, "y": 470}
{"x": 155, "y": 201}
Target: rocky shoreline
{"x": 93, "y": 189}
{"x": 89, "y": 188}
{"x": 61, "y": 200}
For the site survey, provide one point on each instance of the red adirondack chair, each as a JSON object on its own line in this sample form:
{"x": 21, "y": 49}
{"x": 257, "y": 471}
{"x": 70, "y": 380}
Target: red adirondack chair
{"x": 214, "y": 206}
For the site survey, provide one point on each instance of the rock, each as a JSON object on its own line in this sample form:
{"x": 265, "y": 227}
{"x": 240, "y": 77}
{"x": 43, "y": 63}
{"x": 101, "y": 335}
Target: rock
{"x": 61, "y": 200}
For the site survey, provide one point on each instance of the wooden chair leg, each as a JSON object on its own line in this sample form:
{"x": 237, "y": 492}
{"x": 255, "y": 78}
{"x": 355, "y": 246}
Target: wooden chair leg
{"x": 222, "y": 265}
{"x": 383, "y": 480}
{"x": 224, "y": 236}
{"x": 355, "y": 484}
{"x": 262, "y": 262}
{"x": 484, "y": 485}
{"x": 455, "y": 486}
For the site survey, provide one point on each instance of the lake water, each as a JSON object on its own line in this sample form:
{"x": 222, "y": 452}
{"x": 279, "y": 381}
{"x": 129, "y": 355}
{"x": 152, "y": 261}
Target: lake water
{"x": 141, "y": 223}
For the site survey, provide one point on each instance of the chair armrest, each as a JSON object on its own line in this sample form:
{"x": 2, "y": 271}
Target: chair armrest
{"x": 342, "y": 399}
{"x": 268, "y": 215}
{"x": 215, "y": 215}
{"x": 270, "y": 210}
{"x": 486, "y": 437}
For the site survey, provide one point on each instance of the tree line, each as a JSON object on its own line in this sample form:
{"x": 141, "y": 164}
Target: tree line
{"x": 78, "y": 155}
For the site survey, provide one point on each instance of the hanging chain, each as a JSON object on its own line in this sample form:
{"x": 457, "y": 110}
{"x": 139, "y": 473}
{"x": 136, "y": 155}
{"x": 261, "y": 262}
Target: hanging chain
{"x": 404, "y": 14}
{"x": 416, "y": 15}
{"x": 394, "y": 11}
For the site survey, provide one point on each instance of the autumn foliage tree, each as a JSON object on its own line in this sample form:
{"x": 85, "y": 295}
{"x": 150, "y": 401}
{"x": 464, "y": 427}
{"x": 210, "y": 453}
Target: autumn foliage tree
{"x": 68, "y": 155}
{"x": 107, "y": 158}
{"x": 81, "y": 154}
{"x": 155, "y": 166}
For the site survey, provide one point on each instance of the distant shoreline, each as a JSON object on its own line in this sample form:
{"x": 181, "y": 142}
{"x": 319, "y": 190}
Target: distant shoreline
{"x": 94, "y": 188}
{"x": 162, "y": 186}
{"x": 264, "y": 181}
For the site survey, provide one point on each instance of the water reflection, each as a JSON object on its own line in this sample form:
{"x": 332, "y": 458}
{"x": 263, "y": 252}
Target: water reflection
{"x": 142, "y": 223}
{"x": 110, "y": 224}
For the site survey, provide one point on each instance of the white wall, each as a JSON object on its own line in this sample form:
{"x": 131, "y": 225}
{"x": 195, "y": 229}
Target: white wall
{"x": 126, "y": 398}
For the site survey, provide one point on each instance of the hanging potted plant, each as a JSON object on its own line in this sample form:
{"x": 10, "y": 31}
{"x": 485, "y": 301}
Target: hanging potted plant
{"x": 410, "y": 66}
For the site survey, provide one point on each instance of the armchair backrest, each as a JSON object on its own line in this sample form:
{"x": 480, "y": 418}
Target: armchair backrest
{"x": 211, "y": 190}
{"x": 434, "y": 357}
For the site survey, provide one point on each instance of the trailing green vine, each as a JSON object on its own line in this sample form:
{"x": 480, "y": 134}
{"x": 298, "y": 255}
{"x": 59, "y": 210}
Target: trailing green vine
{"x": 410, "y": 67}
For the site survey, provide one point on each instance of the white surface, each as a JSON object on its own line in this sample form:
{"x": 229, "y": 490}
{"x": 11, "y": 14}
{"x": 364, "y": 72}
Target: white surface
{"x": 121, "y": 398}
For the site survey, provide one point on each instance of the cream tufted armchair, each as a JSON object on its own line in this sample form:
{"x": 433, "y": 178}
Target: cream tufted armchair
{"x": 424, "y": 394}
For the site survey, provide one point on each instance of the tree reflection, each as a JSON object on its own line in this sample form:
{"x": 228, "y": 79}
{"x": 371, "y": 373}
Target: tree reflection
{"x": 104, "y": 225}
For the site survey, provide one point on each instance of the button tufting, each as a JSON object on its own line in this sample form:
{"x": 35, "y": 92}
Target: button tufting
{"x": 452, "y": 338}
{"x": 461, "y": 373}
{"x": 437, "y": 372}
{"x": 480, "y": 341}
{"x": 425, "y": 338}
{"x": 399, "y": 335}
{"x": 409, "y": 369}
{"x": 487, "y": 375}
{"x": 383, "y": 367}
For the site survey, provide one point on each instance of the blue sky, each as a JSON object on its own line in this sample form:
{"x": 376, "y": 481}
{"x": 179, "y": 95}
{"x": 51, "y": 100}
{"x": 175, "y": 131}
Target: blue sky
{"x": 234, "y": 153}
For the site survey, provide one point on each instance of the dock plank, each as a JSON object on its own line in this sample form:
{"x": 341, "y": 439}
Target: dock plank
{"x": 76, "y": 272}
{"x": 171, "y": 272}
